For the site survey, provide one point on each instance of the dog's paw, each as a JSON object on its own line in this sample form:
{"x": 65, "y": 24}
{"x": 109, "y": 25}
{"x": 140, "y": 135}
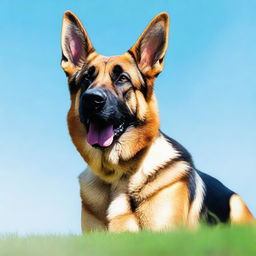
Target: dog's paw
{"x": 124, "y": 223}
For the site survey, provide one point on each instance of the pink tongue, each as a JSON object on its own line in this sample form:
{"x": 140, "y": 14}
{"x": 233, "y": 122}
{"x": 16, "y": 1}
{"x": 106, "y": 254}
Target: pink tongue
{"x": 100, "y": 135}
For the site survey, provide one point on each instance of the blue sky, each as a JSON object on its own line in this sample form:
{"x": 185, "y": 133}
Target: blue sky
{"x": 206, "y": 96}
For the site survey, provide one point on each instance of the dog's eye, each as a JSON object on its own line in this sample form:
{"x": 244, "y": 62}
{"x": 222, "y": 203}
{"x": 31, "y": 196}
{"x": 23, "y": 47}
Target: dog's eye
{"x": 88, "y": 76}
{"x": 86, "y": 81}
{"x": 123, "y": 79}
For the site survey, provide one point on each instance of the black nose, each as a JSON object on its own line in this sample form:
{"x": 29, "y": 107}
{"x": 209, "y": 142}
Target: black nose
{"x": 93, "y": 100}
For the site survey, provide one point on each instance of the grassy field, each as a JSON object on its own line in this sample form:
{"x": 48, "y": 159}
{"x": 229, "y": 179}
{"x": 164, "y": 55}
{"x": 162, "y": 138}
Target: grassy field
{"x": 205, "y": 241}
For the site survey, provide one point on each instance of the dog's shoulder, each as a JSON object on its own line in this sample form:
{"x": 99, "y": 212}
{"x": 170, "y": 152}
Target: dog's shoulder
{"x": 212, "y": 196}
{"x": 166, "y": 163}
{"x": 183, "y": 153}
{"x": 194, "y": 180}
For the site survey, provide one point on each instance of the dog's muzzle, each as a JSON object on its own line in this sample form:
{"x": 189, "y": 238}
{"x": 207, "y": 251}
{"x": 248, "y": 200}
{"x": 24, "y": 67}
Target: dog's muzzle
{"x": 93, "y": 100}
{"x": 104, "y": 116}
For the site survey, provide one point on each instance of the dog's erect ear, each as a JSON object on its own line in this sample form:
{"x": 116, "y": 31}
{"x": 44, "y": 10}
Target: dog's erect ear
{"x": 150, "y": 48}
{"x": 75, "y": 43}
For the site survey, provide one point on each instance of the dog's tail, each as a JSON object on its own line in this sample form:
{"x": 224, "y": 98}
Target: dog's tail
{"x": 239, "y": 212}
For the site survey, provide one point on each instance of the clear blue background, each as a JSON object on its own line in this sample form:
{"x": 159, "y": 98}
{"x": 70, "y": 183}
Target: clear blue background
{"x": 206, "y": 95}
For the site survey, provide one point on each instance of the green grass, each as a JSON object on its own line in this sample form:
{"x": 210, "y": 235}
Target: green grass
{"x": 205, "y": 241}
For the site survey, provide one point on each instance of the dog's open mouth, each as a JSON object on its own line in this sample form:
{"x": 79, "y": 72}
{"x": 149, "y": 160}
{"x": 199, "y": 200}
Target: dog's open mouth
{"x": 103, "y": 135}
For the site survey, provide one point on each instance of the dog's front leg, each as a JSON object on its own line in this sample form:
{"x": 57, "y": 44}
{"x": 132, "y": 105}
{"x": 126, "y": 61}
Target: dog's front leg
{"x": 120, "y": 215}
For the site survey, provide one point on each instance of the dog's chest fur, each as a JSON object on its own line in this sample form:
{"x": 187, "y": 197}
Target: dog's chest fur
{"x": 161, "y": 174}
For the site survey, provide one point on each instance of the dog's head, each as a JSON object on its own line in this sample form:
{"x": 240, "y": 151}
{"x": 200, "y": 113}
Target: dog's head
{"x": 113, "y": 114}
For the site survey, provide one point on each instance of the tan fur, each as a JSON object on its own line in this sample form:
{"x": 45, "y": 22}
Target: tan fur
{"x": 131, "y": 142}
{"x": 119, "y": 213}
{"x": 91, "y": 223}
{"x": 95, "y": 194}
{"x": 196, "y": 205}
{"x": 239, "y": 212}
{"x": 136, "y": 164}
{"x": 138, "y": 182}
{"x": 165, "y": 209}
{"x": 124, "y": 223}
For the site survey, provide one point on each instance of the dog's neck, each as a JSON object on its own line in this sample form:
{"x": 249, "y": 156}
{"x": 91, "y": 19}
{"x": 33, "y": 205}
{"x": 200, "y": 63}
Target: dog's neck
{"x": 148, "y": 160}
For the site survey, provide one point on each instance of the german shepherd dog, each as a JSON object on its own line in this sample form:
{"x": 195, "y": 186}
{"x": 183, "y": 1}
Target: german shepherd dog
{"x": 137, "y": 177}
